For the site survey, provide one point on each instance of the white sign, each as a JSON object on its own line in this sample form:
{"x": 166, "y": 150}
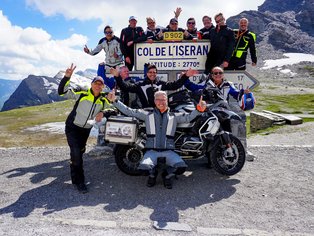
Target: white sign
{"x": 240, "y": 79}
{"x": 171, "y": 56}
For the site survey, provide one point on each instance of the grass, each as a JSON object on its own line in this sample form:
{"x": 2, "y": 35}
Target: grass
{"x": 310, "y": 69}
{"x": 289, "y": 104}
{"x": 13, "y": 126}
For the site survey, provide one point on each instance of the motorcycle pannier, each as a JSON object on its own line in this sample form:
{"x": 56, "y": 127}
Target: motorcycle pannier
{"x": 121, "y": 129}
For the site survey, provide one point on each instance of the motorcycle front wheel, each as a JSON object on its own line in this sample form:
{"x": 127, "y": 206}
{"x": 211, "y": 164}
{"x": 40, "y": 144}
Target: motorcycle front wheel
{"x": 223, "y": 162}
{"x": 128, "y": 158}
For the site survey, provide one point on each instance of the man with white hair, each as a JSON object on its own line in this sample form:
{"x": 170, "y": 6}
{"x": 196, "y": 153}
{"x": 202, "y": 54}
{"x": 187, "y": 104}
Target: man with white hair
{"x": 160, "y": 126}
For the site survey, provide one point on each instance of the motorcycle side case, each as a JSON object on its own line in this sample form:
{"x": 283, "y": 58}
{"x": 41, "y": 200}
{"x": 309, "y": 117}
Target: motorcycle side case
{"x": 121, "y": 130}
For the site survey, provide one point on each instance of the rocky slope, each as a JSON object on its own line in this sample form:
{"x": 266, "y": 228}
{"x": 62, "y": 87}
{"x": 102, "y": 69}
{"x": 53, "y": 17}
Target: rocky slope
{"x": 281, "y": 26}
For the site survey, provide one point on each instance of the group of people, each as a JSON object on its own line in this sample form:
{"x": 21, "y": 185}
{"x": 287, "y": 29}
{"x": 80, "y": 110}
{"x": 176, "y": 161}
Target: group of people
{"x": 229, "y": 48}
{"x": 150, "y": 91}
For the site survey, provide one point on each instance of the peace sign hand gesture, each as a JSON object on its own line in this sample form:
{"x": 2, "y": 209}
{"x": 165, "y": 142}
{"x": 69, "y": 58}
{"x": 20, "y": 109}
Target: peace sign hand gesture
{"x": 69, "y": 71}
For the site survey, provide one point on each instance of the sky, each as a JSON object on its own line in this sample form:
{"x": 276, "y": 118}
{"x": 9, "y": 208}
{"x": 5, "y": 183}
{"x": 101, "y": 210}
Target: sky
{"x": 42, "y": 37}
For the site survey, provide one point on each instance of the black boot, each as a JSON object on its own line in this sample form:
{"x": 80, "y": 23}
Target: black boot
{"x": 81, "y": 187}
{"x": 151, "y": 181}
{"x": 152, "y": 178}
{"x": 167, "y": 179}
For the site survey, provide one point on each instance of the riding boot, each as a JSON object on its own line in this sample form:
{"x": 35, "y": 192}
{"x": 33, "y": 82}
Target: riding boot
{"x": 152, "y": 177}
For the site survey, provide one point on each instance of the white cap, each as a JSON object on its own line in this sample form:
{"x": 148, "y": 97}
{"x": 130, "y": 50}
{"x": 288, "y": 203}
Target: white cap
{"x": 132, "y": 18}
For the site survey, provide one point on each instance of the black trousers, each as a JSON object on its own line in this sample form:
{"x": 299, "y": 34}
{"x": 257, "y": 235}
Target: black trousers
{"x": 214, "y": 58}
{"x": 77, "y": 138}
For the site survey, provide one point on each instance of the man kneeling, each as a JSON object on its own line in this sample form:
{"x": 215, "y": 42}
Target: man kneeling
{"x": 160, "y": 129}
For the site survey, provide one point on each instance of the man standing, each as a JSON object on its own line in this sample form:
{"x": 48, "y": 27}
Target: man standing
{"x": 222, "y": 45}
{"x": 111, "y": 45}
{"x": 129, "y": 36}
{"x": 160, "y": 129}
{"x": 88, "y": 106}
{"x": 207, "y": 22}
{"x": 191, "y": 31}
{"x": 244, "y": 40}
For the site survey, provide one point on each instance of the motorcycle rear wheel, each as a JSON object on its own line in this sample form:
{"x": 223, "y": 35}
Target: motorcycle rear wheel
{"x": 128, "y": 158}
{"x": 228, "y": 165}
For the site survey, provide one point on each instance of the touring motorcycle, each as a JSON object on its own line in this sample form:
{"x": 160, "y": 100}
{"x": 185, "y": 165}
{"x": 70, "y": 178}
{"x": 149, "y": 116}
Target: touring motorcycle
{"x": 208, "y": 136}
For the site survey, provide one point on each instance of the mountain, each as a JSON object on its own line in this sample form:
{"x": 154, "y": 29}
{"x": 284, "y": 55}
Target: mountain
{"x": 7, "y": 87}
{"x": 281, "y": 26}
{"x": 37, "y": 90}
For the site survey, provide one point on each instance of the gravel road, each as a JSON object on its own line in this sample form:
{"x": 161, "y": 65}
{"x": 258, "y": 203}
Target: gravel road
{"x": 271, "y": 196}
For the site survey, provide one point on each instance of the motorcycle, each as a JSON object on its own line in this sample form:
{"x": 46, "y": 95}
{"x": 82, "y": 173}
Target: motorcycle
{"x": 207, "y": 136}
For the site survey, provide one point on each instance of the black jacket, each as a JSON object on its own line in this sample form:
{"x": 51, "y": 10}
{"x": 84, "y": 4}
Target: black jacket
{"x": 131, "y": 34}
{"x": 153, "y": 34}
{"x": 222, "y": 42}
{"x": 205, "y": 32}
{"x": 147, "y": 88}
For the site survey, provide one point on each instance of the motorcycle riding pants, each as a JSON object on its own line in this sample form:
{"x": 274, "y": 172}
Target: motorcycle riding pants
{"x": 150, "y": 160}
{"x": 77, "y": 138}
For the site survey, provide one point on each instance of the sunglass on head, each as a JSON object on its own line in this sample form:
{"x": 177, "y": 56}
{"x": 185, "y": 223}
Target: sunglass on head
{"x": 109, "y": 32}
{"x": 191, "y": 23}
{"x": 217, "y": 73}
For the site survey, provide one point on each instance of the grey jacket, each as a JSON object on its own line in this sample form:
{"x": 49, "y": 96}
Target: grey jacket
{"x": 160, "y": 127}
{"x": 110, "y": 47}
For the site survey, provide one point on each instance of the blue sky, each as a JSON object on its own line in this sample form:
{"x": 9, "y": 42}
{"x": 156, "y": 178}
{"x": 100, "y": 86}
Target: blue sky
{"x": 42, "y": 37}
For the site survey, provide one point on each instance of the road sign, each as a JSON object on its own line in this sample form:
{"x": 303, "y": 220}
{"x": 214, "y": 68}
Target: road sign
{"x": 169, "y": 56}
{"x": 240, "y": 79}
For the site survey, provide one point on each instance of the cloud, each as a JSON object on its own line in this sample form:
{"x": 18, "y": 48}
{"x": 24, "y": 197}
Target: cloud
{"x": 33, "y": 51}
{"x": 30, "y": 50}
{"x": 116, "y": 13}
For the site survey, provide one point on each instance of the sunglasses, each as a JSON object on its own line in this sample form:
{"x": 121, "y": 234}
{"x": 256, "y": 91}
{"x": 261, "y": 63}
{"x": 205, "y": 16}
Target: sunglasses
{"x": 191, "y": 23}
{"x": 217, "y": 73}
{"x": 109, "y": 32}
{"x": 150, "y": 23}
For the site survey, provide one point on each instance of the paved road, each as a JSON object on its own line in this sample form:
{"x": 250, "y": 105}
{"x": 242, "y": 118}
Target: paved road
{"x": 270, "y": 196}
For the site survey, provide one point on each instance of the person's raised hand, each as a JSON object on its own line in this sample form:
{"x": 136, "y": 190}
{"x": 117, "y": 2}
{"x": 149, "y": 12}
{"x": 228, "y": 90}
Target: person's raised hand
{"x": 201, "y": 106}
{"x": 111, "y": 96}
{"x": 114, "y": 72}
{"x": 69, "y": 71}
{"x": 177, "y": 12}
{"x": 86, "y": 49}
{"x": 190, "y": 72}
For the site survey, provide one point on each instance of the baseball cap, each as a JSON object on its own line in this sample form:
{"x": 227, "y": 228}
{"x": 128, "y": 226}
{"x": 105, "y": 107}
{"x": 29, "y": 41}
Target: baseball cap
{"x": 173, "y": 20}
{"x": 98, "y": 78}
{"x": 132, "y": 18}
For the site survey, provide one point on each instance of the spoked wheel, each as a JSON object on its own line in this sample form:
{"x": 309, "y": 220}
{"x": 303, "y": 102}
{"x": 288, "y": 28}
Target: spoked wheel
{"x": 228, "y": 162}
{"x": 128, "y": 158}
